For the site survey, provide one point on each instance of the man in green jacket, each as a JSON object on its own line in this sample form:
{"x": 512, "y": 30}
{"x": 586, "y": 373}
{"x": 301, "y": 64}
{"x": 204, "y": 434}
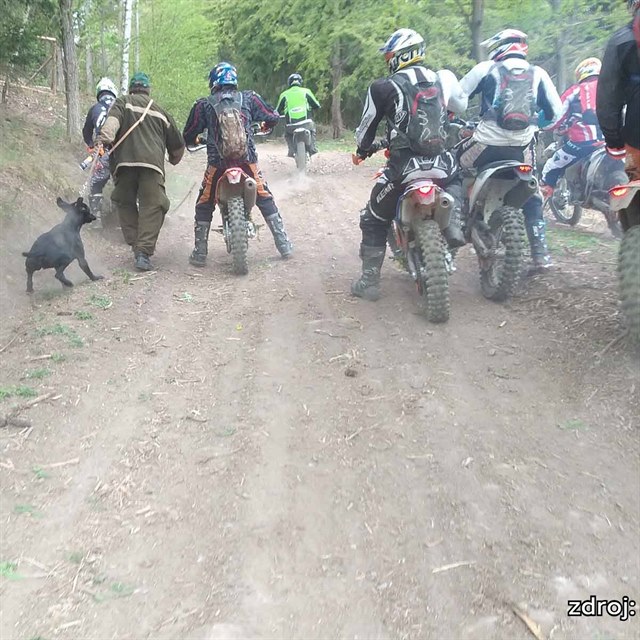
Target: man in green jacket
{"x": 138, "y": 131}
{"x": 295, "y": 104}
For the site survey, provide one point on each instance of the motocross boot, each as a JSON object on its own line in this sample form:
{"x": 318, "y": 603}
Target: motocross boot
{"x": 95, "y": 206}
{"x": 283, "y": 244}
{"x": 368, "y": 285}
{"x": 453, "y": 233}
{"x": 198, "y": 257}
{"x": 540, "y": 258}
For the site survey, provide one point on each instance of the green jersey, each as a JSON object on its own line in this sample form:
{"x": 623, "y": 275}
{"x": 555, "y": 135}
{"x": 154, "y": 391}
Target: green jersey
{"x": 296, "y": 102}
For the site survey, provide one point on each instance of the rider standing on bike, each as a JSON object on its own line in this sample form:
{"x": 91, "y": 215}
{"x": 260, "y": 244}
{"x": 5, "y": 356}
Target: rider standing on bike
{"x": 619, "y": 87}
{"x": 223, "y": 80}
{"x": 512, "y": 93}
{"x": 106, "y": 94}
{"x": 578, "y": 123}
{"x": 295, "y": 104}
{"x": 387, "y": 99}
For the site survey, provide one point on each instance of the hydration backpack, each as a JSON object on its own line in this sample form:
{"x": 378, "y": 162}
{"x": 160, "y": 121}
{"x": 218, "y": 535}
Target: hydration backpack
{"x": 427, "y": 124}
{"x": 231, "y": 140}
{"x": 514, "y": 106}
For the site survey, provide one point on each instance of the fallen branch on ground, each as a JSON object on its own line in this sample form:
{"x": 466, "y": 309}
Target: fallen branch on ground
{"x": 11, "y": 418}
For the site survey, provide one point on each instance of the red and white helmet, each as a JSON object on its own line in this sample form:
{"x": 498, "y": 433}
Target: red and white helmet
{"x": 508, "y": 42}
{"x": 587, "y": 68}
{"x": 403, "y": 48}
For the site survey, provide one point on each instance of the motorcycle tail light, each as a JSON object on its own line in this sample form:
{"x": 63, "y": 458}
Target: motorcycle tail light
{"x": 425, "y": 191}
{"x": 618, "y": 192}
{"x": 234, "y": 175}
{"x": 525, "y": 168}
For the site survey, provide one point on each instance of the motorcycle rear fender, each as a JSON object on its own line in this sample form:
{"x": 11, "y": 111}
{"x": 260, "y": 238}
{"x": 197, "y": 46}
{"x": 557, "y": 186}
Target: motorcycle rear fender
{"x": 235, "y": 182}
{"x": 620, "y": 197}
{"x": 493, "y": 190}
{"x": 302, "y": 133}
{"x": 423, "y": 199}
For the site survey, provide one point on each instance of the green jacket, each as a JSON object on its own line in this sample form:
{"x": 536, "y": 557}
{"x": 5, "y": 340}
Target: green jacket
{"x": 145, "y": 145}
{"x": 296, "y": 102}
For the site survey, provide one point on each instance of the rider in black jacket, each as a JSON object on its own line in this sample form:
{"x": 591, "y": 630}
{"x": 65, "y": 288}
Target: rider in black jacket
{"x": 404, "y": 52}
{"x": 619, "y": 86}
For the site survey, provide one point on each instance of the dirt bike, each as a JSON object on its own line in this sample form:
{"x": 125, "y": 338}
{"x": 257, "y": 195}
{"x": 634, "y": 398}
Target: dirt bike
{"x": 493, "y": 221}
{"x": 236, "y": 196}
{"x": 423, "y": 211}
{"x": 302, "y": 132}
{"x": 625, "y": 200}
{"x": 586, "y": 184}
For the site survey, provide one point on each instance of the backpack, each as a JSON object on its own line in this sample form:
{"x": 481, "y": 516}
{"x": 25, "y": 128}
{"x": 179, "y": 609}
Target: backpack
{"x": 428, "y": 124}
{"x": 514, "y": 105}
{"x": 231, "y": 140}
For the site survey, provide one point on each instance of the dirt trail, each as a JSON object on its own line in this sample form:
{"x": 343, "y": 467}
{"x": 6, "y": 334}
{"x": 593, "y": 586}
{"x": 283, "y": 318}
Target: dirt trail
{"x": 266, "y": 457}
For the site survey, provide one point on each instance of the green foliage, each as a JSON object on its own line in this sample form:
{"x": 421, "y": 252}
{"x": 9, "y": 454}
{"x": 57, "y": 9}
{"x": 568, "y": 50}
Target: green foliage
{"x": 20, "y": 391}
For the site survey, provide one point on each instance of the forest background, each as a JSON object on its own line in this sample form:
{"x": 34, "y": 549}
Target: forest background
{"x": 70, "y": 44}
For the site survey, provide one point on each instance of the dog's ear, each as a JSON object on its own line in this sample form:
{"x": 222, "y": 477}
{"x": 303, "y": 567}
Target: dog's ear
{"x": 79, "y": 202}
{"x": 61, "y": 203}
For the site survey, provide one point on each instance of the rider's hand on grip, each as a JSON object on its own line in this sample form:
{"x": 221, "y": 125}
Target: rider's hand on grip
{"x": 356, "y": 159}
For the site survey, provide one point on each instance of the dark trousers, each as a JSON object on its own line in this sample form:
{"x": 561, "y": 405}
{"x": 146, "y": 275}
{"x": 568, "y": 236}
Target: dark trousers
{"x": 100, "y": 175}
{"x": 141, "y": 202}
{"x": 206, "y": 202}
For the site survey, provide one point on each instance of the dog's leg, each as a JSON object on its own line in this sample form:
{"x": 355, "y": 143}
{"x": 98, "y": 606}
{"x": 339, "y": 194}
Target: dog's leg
{"x": 60, "y": 276}
{"x": 84, "y": 265}
{"x": 29, "y": 281}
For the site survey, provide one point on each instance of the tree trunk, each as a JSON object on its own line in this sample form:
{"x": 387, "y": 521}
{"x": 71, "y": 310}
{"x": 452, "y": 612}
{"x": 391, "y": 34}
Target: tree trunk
{"x": 336, "y": 92}
{"x": 561, "y": 66}
{"x": 477, "y": 16}
{"x": 89, "y": 67}
{"x": 126, "y": 44}
{"x": 137, "y": 68}
{"x": 103, "y": 51}
{"x": 59, "y": 77}
{"x": 70, "y": 69}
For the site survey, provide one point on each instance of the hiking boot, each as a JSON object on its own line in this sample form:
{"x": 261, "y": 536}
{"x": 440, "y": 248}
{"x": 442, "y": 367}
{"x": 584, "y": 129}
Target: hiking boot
{"x": 198, "y": 257}
{"x": 368, "y": 285}
{"x": 142, "y": 262}
{"x": 95, "y": 206}
{"x": 283, "y": 244}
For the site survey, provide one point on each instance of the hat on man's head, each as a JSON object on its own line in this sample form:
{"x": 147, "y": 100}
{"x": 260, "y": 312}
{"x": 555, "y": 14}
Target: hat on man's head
{"x": 140, "y": 80}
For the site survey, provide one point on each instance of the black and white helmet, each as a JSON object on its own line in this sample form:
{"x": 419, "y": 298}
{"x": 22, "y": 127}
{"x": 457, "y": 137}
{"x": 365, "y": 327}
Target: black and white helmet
{"x": 403, "y": 48}
{"x": 295, "y": 79}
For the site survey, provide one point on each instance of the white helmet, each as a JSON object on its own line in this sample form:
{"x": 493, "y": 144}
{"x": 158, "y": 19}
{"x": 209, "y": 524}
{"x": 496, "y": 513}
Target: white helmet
{"x": 404, "y": 47}
{"x": 508, "y": 42}
{"x": 106, "y": 85}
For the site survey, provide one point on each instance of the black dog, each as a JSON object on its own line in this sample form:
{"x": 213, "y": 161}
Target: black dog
{"x": 58, "y": 248}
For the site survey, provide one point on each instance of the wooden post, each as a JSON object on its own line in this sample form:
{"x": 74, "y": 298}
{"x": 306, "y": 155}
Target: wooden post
{"x": 54, "y": 67}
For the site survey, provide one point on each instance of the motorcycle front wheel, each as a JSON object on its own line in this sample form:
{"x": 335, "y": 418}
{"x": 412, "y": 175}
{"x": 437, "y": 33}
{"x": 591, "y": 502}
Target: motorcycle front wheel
{"x": 238, "y": 239}
{"x": 501, "y": 273}
{"x": 434, "y": 279}
{"x": 561, "y": 208}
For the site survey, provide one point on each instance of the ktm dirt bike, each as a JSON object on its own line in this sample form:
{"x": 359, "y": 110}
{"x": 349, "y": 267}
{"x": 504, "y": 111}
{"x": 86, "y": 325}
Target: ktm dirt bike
{"x": 301, "y": 132}
{"x": 423, "y": 211}
{"x": 625, "y": 200}
{"x": 586, "y": 184}
{"x": 236, "y": 196}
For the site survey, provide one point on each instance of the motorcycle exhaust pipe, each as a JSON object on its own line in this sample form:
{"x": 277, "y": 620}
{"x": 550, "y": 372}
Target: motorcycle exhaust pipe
{"x": 517, "y": 196}
{"x": 446, "y": 201}
{"x": 249, "y": 195}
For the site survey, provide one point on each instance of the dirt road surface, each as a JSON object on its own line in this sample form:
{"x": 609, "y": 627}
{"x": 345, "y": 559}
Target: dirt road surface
{"x": 225, "y": 457}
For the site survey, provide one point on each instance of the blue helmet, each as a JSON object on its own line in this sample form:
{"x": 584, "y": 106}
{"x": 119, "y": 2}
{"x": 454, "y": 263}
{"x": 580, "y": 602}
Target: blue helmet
{"x": 224, "y": 73}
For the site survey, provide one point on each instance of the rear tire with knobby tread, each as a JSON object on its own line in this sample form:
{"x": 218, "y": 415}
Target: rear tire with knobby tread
{"x": 501, "y": 280}
{"x": 238, "y": 239}
{"x": 629, "y": 280}
{"x": 301, "y": 156}
{"x": 435, "y": 285}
